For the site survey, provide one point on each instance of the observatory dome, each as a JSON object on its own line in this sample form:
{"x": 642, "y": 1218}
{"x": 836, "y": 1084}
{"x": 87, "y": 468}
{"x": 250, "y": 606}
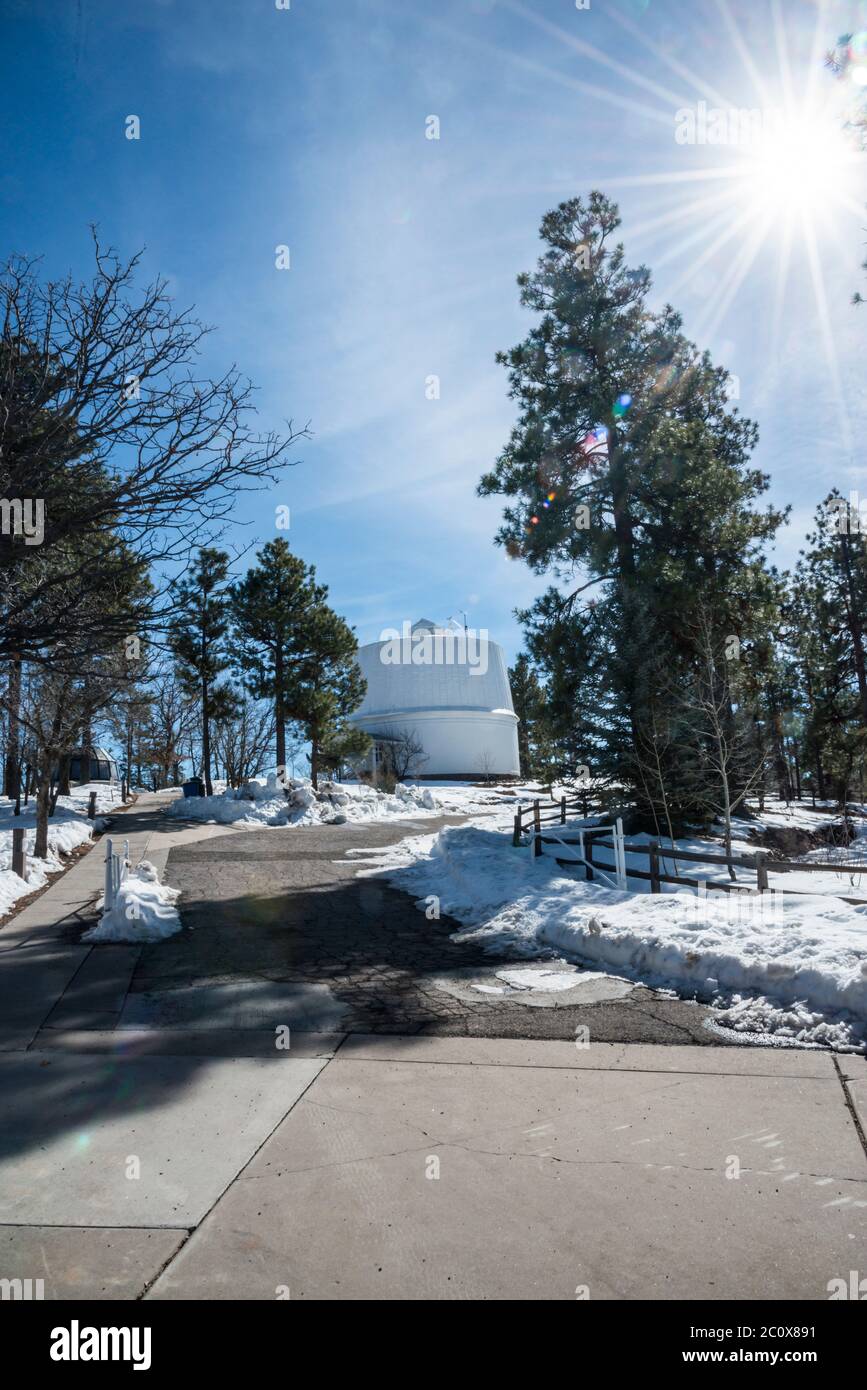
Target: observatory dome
{"x": 445, "y": 689}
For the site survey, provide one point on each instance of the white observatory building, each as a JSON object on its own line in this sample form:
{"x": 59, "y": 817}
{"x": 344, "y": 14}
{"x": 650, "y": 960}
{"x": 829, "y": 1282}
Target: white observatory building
{"x": 445, "y": 692}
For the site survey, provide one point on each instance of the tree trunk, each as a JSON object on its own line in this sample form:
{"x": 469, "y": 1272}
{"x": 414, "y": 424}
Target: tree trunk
{"x": 63, "y": 775}
{"x": 43, "y": 805}
{"x": 280, "y": 714}
{"x": 629, "y": 642}
{"x": 206, "y": 741}
{"x": 314, "y": 763}
{"x": 12, "y": 769}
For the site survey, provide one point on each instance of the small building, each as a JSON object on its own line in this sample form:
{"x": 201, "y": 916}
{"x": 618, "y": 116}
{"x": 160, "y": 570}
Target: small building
{"x": 92, "y": 765}
{"x": 438, "y": 704}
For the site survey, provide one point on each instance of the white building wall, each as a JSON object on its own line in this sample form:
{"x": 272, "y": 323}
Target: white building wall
{"x": 460, "y": 710}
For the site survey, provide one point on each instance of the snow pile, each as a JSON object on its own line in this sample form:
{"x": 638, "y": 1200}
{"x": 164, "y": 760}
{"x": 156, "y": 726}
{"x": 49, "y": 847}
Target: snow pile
{"x": 144, "y": 910}
{"x": 265, "y": 801}
{"x": 67, "y": 829}
{"x": 780, "y": 964}
{"x": 107, "y": 797}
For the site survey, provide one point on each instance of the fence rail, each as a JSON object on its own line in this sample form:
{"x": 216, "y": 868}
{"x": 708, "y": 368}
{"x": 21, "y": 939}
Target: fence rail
{"x": 532, "y": 818}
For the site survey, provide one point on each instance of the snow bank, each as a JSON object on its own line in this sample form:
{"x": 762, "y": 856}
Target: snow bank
{"x": 67, "y": 829}
{"x": 144, "y": 910}
{"x": 788, "y": 966}
{"x": 264, "y": 801}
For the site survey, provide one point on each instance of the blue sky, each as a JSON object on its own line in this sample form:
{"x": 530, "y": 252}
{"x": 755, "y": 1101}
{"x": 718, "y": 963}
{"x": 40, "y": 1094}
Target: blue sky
{"x": 306, "y": 127}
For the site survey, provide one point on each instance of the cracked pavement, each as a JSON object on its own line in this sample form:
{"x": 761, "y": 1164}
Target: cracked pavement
{"x": 287, "y": 908}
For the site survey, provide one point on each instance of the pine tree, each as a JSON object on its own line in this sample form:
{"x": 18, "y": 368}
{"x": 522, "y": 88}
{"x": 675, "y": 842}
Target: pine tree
{"x": 199, "y": 642}
{"x": 837, "y": 565}
{"x": 630, "y": 473}
{"x": 529, "y": 702}
{"x": 295, "y": 651}
{"x": 327, "y": 687}
{"x": 827, "y": 619}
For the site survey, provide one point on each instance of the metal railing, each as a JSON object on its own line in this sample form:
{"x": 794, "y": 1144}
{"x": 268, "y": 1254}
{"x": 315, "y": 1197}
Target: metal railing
{"x": 116, "y": 866}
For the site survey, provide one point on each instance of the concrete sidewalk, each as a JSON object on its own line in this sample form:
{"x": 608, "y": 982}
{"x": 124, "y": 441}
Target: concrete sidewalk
{"x": 445, "y": 1168}
{"x": 441, "y": 1168}
{"x": 187, "y": 1155}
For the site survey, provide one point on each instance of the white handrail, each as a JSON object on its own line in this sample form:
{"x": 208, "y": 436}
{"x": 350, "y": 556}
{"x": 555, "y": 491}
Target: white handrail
{"x": 115, "y": 872}
{"x": 108, "y": 889}
{"x": 571, "y": 843}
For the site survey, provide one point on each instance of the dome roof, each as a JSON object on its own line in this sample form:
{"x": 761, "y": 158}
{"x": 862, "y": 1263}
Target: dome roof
{"x": 429, "y": 667}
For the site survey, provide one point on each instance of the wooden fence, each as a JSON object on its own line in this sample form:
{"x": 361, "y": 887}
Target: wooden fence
{"x": 534, "y": 818}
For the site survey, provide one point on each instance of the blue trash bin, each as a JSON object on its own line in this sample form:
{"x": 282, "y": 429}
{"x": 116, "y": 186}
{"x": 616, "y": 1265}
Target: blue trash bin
{"x": 194, "y": 787}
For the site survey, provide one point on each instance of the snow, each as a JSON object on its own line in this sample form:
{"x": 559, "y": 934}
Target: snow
{"x": 526, "y": 977}
{"x": 782, "y": 965}
{"x": 263, "y": 801}
{"x": 67, "y": 829}
{"x": 144, "y": 910}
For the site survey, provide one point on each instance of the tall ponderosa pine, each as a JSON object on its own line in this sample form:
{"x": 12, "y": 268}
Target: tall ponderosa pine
{"x": 272, "y": 611}
{"x": 826, "y": 639}
{"x": 328, "y": 687}
{"x": 294, "y": 650}
{"x": 629, "y": 471}
{"x": 199, "y": 642}
{"x": 836, "y": 564}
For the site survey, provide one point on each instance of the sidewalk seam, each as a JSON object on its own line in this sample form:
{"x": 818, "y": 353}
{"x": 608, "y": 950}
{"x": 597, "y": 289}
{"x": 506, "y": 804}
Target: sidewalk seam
{"x": 199, "y": 1224}
{"x": 61, "y": 995}
{"x": 850, "y": 1105}
{"x": 546, "y": 1066}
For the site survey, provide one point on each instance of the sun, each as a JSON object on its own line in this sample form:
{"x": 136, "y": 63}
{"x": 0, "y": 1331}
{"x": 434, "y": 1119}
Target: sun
{"x": 800, "y": 164}
{"x": 767, "y": 166}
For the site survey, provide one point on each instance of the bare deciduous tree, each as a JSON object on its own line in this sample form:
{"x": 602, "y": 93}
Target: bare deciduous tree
{"x": 406, "y": 753}
{"x": 57, "y": 707}
{"x": 730, "y": 766}
{"x": 244, "y": 740}
{"x": 106, "y": 419}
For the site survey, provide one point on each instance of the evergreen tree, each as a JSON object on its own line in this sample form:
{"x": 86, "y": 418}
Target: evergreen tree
{"x": 295, "y": 651}
{"x": 529, "y": 701}
{"x": 630, "y": 473}
{"x": 327, "y": 687}
{"x": 199, "y": 642}
{"x": 836, "y": 566}
{"x": 826, "y": 639}
{"x": 273, "y": 611}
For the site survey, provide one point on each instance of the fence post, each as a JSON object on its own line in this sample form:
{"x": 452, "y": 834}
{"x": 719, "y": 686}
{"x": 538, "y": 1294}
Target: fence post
{"x": 588, "y": 858}
{"x": 537, "y": 821}
{"x": 91, "y": 806}
{"x": 619, "y": 854}
{"x": 654, "y": 866}
{"x": 19, "y": 858}
{"x": 761, "y": 874}
{"x": 516, "y": 833}
{"x": 562, "y": 810}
